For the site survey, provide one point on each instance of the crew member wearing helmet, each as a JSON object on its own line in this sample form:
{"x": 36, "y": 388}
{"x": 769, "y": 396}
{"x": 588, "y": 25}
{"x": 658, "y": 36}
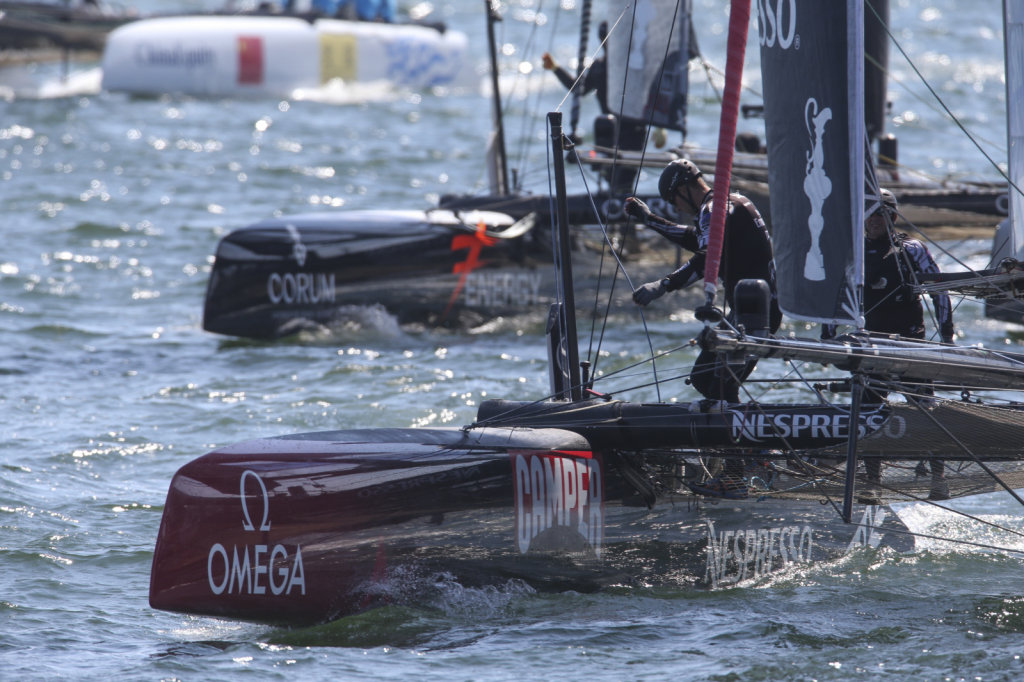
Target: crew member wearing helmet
{"x": 746, "y": 254}
{"x": 892, "y": 263}
{"x": 609, "y": 129}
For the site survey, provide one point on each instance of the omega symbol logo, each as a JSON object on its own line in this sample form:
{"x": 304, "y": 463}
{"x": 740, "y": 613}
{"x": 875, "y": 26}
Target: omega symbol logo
{"x": 246, "y": 515}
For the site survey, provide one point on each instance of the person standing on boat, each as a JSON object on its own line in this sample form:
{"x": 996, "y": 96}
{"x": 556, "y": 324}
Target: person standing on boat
{"x": 595, "y": 78}
{"x": 631, "y": 134}
{"x": 892, "y": 263}
{"x": 746, "y": 254}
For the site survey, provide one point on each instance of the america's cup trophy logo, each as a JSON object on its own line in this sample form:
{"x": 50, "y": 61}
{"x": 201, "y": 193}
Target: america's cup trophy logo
{"x": 817, "y": 187}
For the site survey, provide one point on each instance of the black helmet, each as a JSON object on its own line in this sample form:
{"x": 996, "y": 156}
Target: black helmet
{"x": 676, "y": 174}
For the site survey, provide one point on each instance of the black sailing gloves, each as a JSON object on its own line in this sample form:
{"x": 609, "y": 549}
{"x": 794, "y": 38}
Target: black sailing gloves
{"x": 636, "y": 209}
{"x": 651, "y": 291}
{"x": 645, "y": 293}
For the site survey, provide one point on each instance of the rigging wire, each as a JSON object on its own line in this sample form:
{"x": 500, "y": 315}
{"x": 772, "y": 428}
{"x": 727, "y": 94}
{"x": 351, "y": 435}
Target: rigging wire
{"x": 592, "y": 353}
{"x": 533, "y": 114}
{"x": 942, "y": 103}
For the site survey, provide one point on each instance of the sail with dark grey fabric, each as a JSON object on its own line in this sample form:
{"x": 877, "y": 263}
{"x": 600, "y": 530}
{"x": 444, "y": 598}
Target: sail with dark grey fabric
{"x": 813, "y": 73}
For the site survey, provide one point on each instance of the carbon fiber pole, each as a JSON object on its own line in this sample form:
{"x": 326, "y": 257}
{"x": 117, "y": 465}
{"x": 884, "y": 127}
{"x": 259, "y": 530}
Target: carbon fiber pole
{"x": 564, "y": 256}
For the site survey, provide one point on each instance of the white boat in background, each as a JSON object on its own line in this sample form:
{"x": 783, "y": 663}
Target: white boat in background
{"x": 262, "y": 55}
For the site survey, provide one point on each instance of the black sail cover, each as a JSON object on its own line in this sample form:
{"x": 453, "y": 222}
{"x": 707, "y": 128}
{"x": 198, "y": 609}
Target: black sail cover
{"x": 648, "y": 68}
{"x": 812, "y": 68}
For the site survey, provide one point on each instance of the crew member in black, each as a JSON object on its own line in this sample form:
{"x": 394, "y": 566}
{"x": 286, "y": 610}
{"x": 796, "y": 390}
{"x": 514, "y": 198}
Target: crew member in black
{"x": 631, "y": 135}
{"x": 892, "y": 262}
{"x": 746, "y": 254}
{"x": 595, "y": 79}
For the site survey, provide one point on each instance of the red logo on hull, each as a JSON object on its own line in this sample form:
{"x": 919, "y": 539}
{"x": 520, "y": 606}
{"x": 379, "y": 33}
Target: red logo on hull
{"x": 559, "y": 502}
{"x": 474, "y": 242}
{"x": 250, "y": 60}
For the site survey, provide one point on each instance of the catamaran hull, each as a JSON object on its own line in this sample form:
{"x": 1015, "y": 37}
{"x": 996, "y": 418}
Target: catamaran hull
{"x": 437, "y": 268}
{"x": 306, "y": 528}
{"x": 280, "y": 275}
{"x": 273, "y": 55}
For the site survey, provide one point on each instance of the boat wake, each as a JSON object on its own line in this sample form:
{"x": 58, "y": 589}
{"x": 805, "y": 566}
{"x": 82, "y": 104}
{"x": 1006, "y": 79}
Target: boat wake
{"x": 49, "y": 83}
{"x": 351, "y": 323}
{"x": 85, "y": 82}
{"x": 953, "y": 528}
{"x": 443, "y": 592}
{"x": 420, "y": 605}
{"x": 339, "y": 92}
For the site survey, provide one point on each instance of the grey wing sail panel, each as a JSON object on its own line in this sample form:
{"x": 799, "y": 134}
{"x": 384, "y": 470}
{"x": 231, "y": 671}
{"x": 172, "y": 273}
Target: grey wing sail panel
{"x": 813, "y": 105}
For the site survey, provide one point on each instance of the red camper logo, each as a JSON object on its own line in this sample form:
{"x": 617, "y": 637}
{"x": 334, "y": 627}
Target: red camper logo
{"x": 559, "y": 501}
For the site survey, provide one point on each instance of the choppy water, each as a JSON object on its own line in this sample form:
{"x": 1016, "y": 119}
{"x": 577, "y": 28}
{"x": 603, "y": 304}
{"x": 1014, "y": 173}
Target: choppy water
{"x": 112, "y": 208}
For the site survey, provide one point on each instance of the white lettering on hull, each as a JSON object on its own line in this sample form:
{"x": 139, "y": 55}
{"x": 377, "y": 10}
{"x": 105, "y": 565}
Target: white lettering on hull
{"x": 301, "y": 287}
{"x": 253, "y": 569}
{"x": 502, "y": 289}
{"x": 758, "y": 426}
{"x": 557, "y": 492}
{"x": 241, "y": 574}
{"x": 737, "y": 555}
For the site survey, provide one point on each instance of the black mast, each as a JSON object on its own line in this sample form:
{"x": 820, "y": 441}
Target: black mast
{"x": 500, "y": 157}
{"x": 567, "y": 355}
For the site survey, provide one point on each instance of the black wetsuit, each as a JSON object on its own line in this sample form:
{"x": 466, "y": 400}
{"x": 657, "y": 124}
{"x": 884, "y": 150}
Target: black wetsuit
{"x": 890, "y": 305}
{"x": 746, "y": 254}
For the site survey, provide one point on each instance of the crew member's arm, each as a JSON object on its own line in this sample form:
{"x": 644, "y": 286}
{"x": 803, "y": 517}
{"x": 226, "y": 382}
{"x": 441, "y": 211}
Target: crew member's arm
{"x": 923, "y": 262}
{"x": 692, "y": 271}
{"x": 684, "y": 235}
{"x": 563, "y": 76}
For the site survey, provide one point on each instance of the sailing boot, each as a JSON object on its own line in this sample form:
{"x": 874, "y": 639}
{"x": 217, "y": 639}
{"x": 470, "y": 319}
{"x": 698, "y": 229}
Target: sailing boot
{"x": 940, "y": 488}
{"x": 870, "y": 492}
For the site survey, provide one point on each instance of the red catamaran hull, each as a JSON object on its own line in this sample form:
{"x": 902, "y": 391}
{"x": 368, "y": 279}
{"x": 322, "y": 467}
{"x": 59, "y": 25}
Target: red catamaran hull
{"x": 306, "y": 528}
